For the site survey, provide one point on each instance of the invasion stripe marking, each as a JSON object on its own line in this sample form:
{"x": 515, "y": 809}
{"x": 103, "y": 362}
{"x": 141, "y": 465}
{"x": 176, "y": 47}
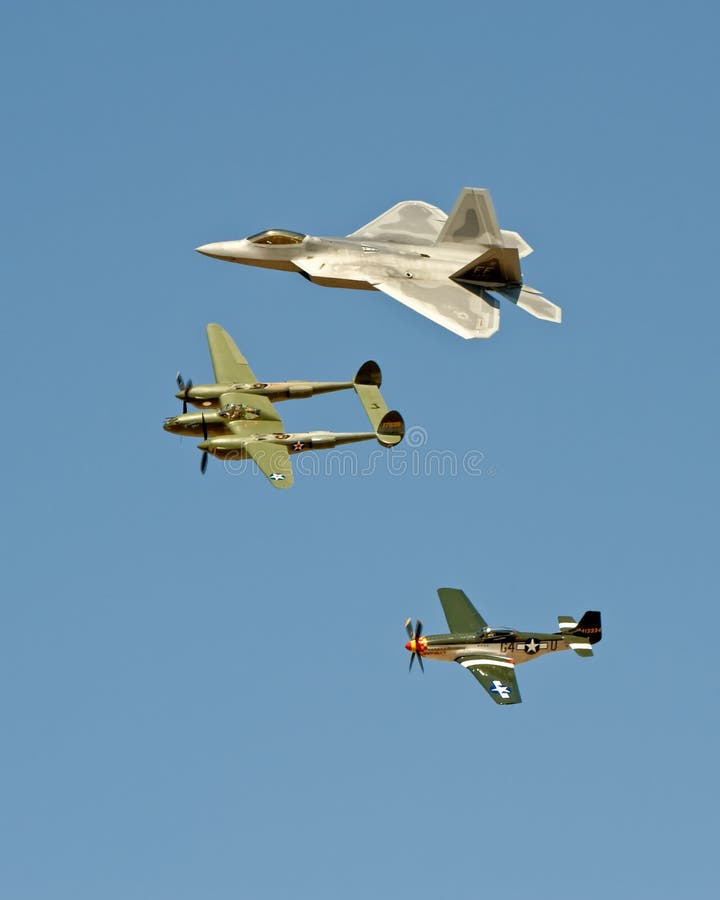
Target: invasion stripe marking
{"x": 487, "y": 662}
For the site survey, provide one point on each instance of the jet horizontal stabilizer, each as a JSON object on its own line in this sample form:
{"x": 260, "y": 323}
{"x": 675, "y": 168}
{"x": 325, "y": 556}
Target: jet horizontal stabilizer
{"x": 531, "y": 301}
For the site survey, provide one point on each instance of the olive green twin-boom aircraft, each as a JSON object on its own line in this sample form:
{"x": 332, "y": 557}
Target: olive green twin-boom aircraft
{"x": 238, "y": 419}
{"x": 491, "y": 654}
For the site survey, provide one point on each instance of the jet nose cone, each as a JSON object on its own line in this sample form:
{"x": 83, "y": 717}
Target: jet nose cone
{"x": 227, "y": 250}
{"x": 208, "y": 249}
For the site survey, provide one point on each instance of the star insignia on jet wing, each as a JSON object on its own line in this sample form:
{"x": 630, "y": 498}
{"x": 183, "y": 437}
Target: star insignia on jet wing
{"x": 532, "y": 646}
{"x": 502, "y": 689}
{"x": 298, "y": 446}
{"x": 276, "y": 476}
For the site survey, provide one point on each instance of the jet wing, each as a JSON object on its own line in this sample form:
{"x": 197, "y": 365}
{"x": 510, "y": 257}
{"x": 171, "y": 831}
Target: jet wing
{"x": 273, "y": 460}
{"x": 228, "y": 362}
{"x": 461, "y": 615}
{"x": 471, "y": 315}
{"x": 496, "y": 674}
{"x": 409, "y": 222}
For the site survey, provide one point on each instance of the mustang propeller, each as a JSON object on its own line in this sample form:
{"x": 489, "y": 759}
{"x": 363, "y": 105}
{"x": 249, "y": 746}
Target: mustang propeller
{"x": 412, "y": 644}
{"x": 185, "y": 389}
{"x": 203, "y": 461}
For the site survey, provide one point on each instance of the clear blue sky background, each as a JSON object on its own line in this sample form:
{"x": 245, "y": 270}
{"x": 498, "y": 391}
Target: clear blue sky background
{"x": 204, "y": 691}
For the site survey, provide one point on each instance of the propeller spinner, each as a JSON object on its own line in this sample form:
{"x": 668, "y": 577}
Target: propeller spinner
{"x": 413, "y": 644}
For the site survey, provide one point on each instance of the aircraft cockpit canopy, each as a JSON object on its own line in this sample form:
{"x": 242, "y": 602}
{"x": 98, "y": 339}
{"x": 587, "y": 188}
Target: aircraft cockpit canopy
{"x": 500, "y": 633}
{"x": 277, "y": 236}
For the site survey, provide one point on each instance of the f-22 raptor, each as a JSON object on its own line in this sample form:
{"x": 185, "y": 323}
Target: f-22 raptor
{"x": 491, "y": 654}
{"x": 450, "y": 269}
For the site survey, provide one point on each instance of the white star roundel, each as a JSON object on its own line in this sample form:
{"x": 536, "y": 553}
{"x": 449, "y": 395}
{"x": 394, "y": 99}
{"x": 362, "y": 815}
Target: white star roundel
{"x": 276, "y": 476}
{"x": 532, "y": 646}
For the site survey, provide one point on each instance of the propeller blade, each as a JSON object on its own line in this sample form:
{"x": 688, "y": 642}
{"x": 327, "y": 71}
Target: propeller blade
{"x": 204, "y": 427}
{"x": 412, "y": 660}
{"x": 422, "y": 667}
{"x": 418, "y": 629}
{"x": 203, "y": 462}
{"x": 409, "y": 630}
{"x": 185, "y": 388}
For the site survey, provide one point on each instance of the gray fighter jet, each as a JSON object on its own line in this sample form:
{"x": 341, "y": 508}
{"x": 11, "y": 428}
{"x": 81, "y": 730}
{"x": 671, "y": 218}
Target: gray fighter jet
{"x": 447, "y": 268}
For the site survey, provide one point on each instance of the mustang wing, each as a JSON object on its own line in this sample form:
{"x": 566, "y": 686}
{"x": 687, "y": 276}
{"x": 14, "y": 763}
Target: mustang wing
{"x": 496, "y": 674}
{"x": 228, "y": 362}
{"x": 461, "y": 615}
{"x": 273, "y": 460}
{"x": 409, "y": 222}
{"x": 469, "y": 314}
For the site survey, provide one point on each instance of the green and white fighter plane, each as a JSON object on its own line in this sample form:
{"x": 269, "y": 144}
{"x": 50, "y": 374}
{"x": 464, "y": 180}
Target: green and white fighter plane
{"x": 447, "y": 268}
{"x": 491, "y": 654}
{"x": 238, "y": 419}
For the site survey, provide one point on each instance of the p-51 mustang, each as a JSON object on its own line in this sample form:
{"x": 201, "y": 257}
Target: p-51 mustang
{"x": 446, "y": 268}
{"x": 239, "y": 420}
{"x": 491, "y": 654}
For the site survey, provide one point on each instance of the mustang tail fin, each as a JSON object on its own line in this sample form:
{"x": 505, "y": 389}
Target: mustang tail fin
{"x": 580, "y": 636}
{"x": 590, "y": 626}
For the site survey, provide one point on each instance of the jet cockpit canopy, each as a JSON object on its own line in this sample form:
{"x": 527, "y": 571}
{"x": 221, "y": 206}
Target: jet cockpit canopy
{"x": 277, "y": 236}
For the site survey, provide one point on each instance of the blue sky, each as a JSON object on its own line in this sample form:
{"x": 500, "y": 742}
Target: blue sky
{"x": 204, "y": 686}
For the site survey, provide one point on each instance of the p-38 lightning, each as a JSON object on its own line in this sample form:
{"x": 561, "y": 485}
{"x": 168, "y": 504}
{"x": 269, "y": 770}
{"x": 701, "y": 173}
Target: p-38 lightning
{"x": 491, "y": 654}
{"x": 446, "y": 268}
{"x": 238, "y": 419}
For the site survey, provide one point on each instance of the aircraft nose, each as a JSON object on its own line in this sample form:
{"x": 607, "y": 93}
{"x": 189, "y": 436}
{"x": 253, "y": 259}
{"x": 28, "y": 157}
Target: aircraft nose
{"x": 410, "y": 646}
{"x": 221, "y": 250}
{"x": 169, "y": 424}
